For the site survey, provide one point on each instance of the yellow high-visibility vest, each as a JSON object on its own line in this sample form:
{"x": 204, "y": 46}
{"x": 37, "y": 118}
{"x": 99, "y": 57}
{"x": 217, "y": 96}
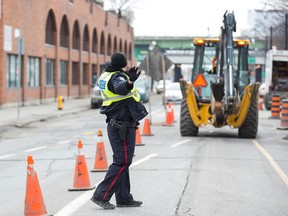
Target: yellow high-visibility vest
{"x": 108, "y": 96}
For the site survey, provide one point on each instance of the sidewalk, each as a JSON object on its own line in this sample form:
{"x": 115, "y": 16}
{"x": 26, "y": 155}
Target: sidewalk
{"x": 29, "y": 114}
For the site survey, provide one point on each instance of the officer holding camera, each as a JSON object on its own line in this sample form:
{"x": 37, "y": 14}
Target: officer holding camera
{"x": 124, "y": 109}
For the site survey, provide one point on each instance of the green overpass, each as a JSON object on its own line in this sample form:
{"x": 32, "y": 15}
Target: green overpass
{"x": 180, "y": 49}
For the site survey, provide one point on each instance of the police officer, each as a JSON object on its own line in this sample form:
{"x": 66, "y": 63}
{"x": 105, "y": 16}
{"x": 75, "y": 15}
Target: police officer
{"x": 123, "y": 108}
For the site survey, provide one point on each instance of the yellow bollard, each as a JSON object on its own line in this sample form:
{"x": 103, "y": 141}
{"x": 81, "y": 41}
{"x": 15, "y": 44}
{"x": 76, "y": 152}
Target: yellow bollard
{"x": 60, "y": 101}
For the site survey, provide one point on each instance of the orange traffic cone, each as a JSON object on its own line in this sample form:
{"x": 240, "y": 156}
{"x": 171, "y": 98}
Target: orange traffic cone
{"x": 169, "y": 118}
{"x": 34, "y": 203}
{"x": 170, "y": 105}
{"x": 81, "y": 175}
{"x": 260, "y": 103}
{"x": 138, "y": 138}
{"x": 146, "y": 128}
{"x": 100, "y": 163}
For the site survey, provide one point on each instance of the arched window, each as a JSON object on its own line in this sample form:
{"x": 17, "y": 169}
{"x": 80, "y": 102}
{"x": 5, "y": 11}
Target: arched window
{"x": 130, "y": 52}
{"x": 120, "y": 46}
{"x": 50, "y": 29}
{"x": 109, "y": 46}
{"x": 115, "y": 45}
{"x": 76, "y": 36}
{"x": 64, "y": 37}
{"x": 95, "y": 41}
{"x": 86, "y": 39}
{"x": 102, "y": 45}
{"x": 125, "y": 48}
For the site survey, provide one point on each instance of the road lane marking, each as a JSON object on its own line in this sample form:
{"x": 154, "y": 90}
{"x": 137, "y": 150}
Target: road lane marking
{"x": 36, "y": 149}
{"x": 180, "y": 143}
{"x": 143, "y": 160}
{"x": 75, "y": 204}
{"x": 90, "y": 133}
{"x": 272, "y": 162}
{"x": 6, "y": 156}
{"x": 83, "y": 198}
{"x": 66, "y": 141}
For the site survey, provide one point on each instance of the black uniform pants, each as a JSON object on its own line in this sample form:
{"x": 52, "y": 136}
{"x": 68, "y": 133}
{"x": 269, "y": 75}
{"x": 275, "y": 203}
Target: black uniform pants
{"x": 117, "y": 177}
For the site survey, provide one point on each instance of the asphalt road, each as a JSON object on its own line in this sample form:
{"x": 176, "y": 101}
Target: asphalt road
{"x": 215, "y": 173}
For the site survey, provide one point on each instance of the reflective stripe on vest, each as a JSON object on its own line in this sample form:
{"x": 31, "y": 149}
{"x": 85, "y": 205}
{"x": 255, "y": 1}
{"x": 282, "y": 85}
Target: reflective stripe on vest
{"x": 108, "y": 96}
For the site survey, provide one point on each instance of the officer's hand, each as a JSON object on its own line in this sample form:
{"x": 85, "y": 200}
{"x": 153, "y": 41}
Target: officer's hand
{"x": 133, "y": 74}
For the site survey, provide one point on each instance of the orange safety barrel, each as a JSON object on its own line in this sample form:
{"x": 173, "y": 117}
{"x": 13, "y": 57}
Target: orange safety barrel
{"x": 284, "y": 113}
{"x": 275, "y": 108}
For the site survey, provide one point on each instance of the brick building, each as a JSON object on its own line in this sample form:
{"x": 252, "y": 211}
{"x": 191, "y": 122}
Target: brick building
{"x": 65, "y": 44}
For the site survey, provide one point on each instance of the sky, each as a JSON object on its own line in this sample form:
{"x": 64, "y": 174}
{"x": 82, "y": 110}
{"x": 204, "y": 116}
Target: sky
{"x": 187, "y": 17}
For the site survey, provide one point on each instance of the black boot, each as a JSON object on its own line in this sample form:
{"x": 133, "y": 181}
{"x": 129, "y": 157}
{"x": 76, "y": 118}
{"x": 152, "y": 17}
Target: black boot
{"x": 132, "y": 203}
{"x": 103, "y": 203}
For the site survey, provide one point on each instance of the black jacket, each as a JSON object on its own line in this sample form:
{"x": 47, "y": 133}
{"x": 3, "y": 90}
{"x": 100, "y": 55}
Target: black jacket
{"x": 127, "y": 109}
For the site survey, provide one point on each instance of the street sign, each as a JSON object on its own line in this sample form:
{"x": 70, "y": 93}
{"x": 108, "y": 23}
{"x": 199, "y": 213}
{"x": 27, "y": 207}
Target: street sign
{"x": 153, "y": 63}
{"x": 200, "y": 81}
{"x": 251, "y": 60}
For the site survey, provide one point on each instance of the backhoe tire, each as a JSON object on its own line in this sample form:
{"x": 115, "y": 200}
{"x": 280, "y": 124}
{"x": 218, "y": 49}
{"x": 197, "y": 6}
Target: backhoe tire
{"x": 249, "y": 127}
{"x": 187, "y": 126}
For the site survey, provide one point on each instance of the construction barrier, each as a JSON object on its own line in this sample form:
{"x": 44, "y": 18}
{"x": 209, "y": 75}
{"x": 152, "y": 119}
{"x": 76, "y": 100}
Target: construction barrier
{"x": 284, "y": 115}
{"x": 146, "y": 128}
{"x": 100, "y": 163}
{"x": 275, "y": 108}
{"x": 34, "y": 203}
{"x": 81, "y": 176}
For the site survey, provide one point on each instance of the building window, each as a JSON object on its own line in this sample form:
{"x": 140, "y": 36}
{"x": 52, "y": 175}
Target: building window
{"x": 63, "y": 72}
{"x": 64, "y": 37}
{"x": 75, "y": 73}
{"x": 130, "y": 52}
{"x": 102, "y": 44}
{"x": 86, "y": 39}
{"x": 49, "y": 72}
{"x": 120, "y": 46}
{"x": 50, "y": 29}
{"x": 33, "y": 72}
{"x": 76, "y": 37}
{"x": 109, "y": 46}
{"x": 94, "y": 42}
{"x": 94, "y": 74}
{"x": 115, "y": 45}
{"x": 11, "y": 72}
{"x": 85, "y": 74}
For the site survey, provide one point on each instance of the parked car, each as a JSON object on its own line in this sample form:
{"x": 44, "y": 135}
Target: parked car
{"x": 142, "y": 86}
{"x": 96, "y": 99}
{"x": 173, "y": 93}
{"x": 160, "y": 86}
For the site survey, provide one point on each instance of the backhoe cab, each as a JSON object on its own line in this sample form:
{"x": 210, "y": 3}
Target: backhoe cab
{"x": 220, "y": 92}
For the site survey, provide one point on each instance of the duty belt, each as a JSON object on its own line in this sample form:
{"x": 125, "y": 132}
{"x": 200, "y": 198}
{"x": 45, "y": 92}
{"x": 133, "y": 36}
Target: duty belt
{"x": 122, "y": 126}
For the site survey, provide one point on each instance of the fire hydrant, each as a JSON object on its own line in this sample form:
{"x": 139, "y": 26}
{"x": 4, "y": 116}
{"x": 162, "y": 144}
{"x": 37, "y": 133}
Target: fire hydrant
{"x": 60, "y": 101}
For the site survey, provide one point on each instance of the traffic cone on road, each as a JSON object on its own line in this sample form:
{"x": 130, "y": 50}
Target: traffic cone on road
{"x": 100, "y": 163}
{"x": 146, "y": 128}
{"x": 81, "y": 175}
{"x": 170, "y": 105}
{"x": 34, "y": 203}
{"x": 138, "y": 138}
{"x": 260, "y": 103}
{"x": 169, "y": 118}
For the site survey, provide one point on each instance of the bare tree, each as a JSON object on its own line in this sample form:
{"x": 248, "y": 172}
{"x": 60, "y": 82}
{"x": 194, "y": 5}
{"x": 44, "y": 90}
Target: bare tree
{"x": 278, "y": 32}
{"x": 124, "y": 9}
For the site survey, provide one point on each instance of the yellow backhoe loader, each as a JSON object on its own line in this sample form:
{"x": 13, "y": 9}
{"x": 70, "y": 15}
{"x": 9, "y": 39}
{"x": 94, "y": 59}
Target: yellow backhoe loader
{"x": 220, "y": 92}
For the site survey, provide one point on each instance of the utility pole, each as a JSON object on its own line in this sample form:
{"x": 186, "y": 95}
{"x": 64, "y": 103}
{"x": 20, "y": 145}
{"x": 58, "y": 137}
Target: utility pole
{"x": 286, "y": 31}
{"x": 271, "y": 36}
